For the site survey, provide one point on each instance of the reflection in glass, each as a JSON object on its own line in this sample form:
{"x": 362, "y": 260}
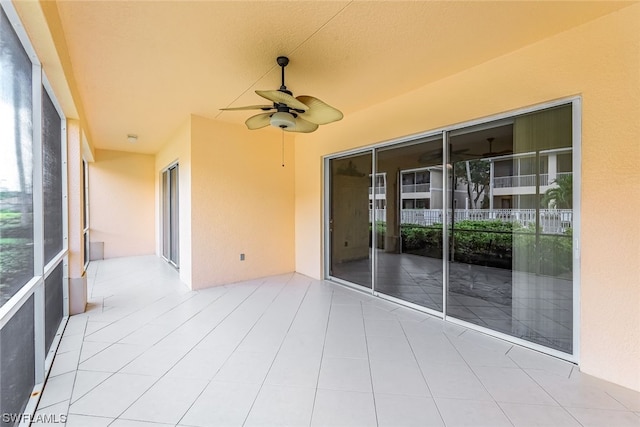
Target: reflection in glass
{"x": 409, "y": 222}
{"x": 350, "y": 222}
{"x": 510, "y": 228}
{"x": 16, "y": 192}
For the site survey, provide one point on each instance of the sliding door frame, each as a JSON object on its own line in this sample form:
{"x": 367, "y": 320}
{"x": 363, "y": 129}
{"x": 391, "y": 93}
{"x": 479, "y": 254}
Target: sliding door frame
{"x": 167, "y": 217}
{"x": 445, "y": 132}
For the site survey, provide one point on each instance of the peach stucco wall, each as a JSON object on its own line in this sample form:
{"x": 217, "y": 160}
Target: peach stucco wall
{"x": 599, "y": 61}
{"x": 242, "y": 201}
{"x": 121, "y": 203}
{"x": 177, "y": 150}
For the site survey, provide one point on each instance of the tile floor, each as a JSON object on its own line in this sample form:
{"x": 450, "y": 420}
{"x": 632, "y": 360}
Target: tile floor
{"x": 536, "y": 308}
{"x": 290, "y": 350}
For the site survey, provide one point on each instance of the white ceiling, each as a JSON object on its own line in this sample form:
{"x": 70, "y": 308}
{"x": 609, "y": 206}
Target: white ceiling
{"x": 143, "y": 66}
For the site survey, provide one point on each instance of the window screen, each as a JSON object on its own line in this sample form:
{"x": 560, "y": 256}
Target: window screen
{"x": 53, "y": 298}
{"x": 16, "y": 141}
{"x": 51, "y": 177}
{"x": 17, "y": 366}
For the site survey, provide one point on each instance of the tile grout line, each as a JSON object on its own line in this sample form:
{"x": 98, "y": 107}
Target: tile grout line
{"x": 111, "y": 344}
{"x": 366, "y": 344}
{"x": 545, "y": 390}
{"x": 162, "y": 376}
{"x": 479, "y": 380}
{"x": 324, "y": 343}
{"x": 277, "y": 352}
{"x": 422, "y": 373}
{"x": 236, "y": 347}
{"x": 195, "y": 294}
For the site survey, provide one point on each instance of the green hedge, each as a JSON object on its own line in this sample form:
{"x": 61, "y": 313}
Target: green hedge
{"x": 492, "y": 244}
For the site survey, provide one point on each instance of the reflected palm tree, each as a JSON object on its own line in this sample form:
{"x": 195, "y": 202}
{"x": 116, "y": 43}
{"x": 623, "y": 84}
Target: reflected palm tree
{"x": 561, "y": 196}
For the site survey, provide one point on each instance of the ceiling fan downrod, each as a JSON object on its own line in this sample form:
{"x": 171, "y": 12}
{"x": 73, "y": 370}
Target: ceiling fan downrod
{"x": 283, "y": 61}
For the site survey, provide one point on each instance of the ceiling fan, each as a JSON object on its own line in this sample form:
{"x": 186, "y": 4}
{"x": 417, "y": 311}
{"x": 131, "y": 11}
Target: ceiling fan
{"x": 491, "y": 152}
{"x": 435, "y": 156}
{"x": 300, "y": 114}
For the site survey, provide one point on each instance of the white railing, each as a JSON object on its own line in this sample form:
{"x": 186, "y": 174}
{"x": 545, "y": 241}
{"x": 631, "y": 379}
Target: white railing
{"x": 379, "y": 190}
{"x": 415, "y": 188}
{"x": 519, "y": 181}
{"x": 553, "y": 221}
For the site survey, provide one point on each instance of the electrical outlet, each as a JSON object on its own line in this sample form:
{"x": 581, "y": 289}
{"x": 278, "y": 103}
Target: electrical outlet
{"x": 241, "y": 257}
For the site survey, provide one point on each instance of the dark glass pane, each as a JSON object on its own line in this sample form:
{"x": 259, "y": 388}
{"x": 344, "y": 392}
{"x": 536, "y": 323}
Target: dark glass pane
{"x": 53, "y": 300}
{"x": 17, "y": 361}
{"x": 510, "y": 255}
{"x": 16, "y": 184}
{"x": 166, "y": 216}
{"x": 351, "y": 218}
{"x": 174, "y": 223}
{"x": 51, "y": 178}
{"x": 409, "y": 230}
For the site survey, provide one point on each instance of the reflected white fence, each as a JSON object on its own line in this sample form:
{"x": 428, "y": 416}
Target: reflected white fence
{"x": 553, "y": 221}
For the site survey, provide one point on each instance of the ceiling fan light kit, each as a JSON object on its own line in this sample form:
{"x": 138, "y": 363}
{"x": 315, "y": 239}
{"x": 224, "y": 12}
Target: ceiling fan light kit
{"x": 282, "y": 120}
{"x": 293, "y": 114}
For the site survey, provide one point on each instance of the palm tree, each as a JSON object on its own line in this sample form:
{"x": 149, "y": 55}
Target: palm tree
{"x": 560, "y": 196}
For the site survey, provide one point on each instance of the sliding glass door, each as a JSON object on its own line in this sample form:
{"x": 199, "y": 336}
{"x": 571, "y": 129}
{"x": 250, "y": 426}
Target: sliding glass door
{"x": 510, "y": 260}
{"x": 170, "y": 223}
{"x": 409, "y": 222}
{"x": 352, "y": 200}
{"x": 490, "y": 221}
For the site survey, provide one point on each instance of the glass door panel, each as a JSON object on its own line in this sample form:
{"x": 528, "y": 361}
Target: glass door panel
{"x": 510, "y": 227}
{"x": 408, "y": 216}
{"x": 170, "y": 223}
{"x": 351, "y": 200}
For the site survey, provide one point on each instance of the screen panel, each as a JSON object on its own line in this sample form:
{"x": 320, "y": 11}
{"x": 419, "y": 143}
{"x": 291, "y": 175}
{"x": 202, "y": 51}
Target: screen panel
{"x": 16, "y": 184}
{"x": 53, "y": 297}
{"x": 17, "y": 363}
{"x": 51, "y": 178}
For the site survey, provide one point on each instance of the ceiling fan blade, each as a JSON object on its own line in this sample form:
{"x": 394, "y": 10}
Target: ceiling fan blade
{"x": 258, "y": 121}
{"x": 319, "y": 112}
{"x": 250, "y": 107}
{"x": 302, "y": 126}
{"x": 282, "y": 98}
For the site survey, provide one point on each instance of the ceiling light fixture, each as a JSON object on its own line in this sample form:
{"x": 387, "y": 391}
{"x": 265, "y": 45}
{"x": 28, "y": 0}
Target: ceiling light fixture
{"x": 132, "y": 138}
{"x": 283, "y": 120}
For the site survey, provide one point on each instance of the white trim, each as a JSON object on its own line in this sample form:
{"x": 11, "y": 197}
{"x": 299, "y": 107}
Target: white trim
{"x": 326, "y": 195}
{"x": 53, "y": 264}
{"x": 577, "y": 224}
{"x": 38, "y": 224}
{"x": 374, "y": 240}
{"x": 16, "y": 302}
{"x": 445, "y": 221}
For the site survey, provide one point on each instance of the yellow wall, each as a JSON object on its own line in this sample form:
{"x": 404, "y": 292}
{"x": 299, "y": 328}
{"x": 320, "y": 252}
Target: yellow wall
{"x": 599, "y": 61}
{"x": 121, "y": 195}
{"x": 75, "y": 199}
{"x": 177, "y": 149}
{"x": 242, "y": 202}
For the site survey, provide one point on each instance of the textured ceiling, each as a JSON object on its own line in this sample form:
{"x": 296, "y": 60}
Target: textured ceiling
{"x": 143, "y": 66}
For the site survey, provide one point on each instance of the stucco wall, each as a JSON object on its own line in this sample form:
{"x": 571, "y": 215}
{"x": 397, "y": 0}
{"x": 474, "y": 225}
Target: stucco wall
{"x": 121, "y": 203}
{"x": 242, "y": 202}
{"x": 600, "y": 61}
